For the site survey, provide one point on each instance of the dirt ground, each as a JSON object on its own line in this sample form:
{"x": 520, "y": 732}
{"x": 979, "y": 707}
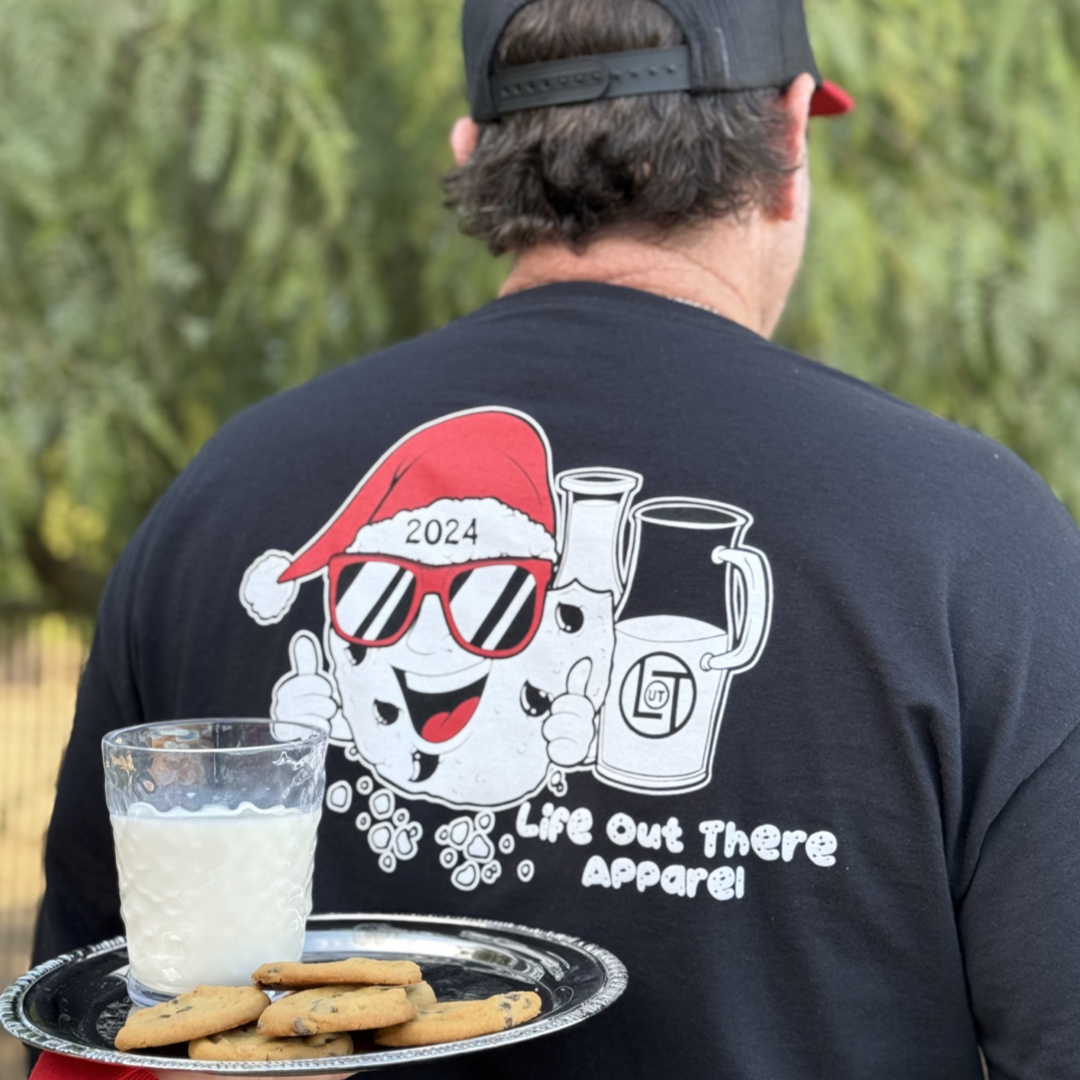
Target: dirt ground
{"x": 40, "y": 661}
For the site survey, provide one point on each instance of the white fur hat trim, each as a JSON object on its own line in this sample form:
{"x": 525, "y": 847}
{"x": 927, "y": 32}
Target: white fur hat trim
{"x": 452, "y": 531}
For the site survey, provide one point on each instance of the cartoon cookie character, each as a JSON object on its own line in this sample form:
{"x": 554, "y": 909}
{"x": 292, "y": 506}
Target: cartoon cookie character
{"x": 454, "y": 667}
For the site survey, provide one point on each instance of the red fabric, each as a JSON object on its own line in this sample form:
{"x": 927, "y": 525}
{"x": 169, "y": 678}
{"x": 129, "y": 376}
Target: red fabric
{"x": 481, "y": 455}
{"x": 58, "y": 1067}
{"x": 831, "y": 100}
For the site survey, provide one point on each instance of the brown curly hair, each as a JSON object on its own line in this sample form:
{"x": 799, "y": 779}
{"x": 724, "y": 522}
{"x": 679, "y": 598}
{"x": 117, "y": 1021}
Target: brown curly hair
{"x": 564, "y": 174}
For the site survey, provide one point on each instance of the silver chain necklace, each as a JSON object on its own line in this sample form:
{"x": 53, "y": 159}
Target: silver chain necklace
{"x": 694, "y": 303}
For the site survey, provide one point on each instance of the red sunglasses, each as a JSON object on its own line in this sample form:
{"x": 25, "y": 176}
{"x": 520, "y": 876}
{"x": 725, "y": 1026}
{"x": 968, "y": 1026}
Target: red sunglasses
{"x": 492, "y": 607}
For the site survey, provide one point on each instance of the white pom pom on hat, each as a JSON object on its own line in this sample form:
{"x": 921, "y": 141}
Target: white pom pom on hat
{"x": 266, "y": 598}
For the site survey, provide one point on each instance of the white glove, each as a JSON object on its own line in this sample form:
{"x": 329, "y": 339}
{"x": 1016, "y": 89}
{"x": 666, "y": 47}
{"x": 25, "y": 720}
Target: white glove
{"x": 571, "y": 727}
{"x": 304, "y": 694}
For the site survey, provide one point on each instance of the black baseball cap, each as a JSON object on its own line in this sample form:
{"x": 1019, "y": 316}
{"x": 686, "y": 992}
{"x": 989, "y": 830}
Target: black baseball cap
{"x": 731, "y": 45}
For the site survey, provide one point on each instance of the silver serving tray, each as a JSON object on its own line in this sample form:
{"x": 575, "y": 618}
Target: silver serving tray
{"x": 75, "y": 1005}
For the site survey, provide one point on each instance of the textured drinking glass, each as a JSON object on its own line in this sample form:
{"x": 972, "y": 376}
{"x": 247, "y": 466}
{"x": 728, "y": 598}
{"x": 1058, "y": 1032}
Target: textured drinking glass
{"x": 214, "y": 823}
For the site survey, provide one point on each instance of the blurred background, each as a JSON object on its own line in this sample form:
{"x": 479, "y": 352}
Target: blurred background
{"x": 203, "y": 202}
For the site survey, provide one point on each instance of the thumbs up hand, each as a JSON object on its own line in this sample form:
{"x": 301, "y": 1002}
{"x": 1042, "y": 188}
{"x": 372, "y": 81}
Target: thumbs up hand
{"x": 571, "y": 726}
{"x": 304, "y": 694}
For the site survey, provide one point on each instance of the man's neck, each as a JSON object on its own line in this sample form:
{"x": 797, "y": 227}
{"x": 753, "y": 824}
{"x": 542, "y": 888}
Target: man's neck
{"x": 720, "y": 266}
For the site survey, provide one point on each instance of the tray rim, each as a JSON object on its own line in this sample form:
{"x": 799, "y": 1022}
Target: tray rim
{"x": 15, "y": 1021}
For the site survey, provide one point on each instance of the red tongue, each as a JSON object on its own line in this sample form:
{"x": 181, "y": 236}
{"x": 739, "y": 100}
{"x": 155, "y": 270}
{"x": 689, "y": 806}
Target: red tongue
{"x": 445, "y": 725}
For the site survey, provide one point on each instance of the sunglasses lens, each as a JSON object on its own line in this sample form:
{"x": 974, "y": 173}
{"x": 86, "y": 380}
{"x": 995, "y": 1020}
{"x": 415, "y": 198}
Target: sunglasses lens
{"x": 372, "y": 599}
{"x": 493, "y": 606}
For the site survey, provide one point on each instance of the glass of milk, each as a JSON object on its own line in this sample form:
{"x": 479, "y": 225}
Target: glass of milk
{"x": 214, "y": 823}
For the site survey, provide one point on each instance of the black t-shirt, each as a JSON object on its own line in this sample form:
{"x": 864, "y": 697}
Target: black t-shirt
{"x": 758, "y": 677}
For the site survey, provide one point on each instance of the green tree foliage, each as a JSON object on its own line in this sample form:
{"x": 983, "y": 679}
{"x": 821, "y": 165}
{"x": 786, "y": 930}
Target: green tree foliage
{"x": 205, "y": 201}
{"x": 944, "y": 262}
{"x": 201, "y": 202}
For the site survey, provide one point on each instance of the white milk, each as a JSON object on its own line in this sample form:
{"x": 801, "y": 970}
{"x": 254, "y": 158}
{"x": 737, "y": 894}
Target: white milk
{"x": 209, "y": 895}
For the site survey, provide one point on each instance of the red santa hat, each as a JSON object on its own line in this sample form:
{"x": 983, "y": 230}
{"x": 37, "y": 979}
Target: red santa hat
{"x": 472, "y": 486}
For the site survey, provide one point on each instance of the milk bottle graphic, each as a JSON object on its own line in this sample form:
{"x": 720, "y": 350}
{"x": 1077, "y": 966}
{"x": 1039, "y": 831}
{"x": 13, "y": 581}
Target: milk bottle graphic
{"x": 595, "y": 504}
{"x": 696, "y": 612}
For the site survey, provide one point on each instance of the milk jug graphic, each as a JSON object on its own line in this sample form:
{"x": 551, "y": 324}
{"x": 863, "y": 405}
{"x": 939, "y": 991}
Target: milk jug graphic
{"x": 696, "y": 611}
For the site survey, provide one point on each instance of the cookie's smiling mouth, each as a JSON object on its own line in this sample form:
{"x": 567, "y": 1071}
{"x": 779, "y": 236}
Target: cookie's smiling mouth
{"x": 438, "y": 717}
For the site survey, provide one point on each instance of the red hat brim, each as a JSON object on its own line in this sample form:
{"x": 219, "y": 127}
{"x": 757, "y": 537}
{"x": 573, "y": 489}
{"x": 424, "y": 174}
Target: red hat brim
{"x": 831, "y": 100}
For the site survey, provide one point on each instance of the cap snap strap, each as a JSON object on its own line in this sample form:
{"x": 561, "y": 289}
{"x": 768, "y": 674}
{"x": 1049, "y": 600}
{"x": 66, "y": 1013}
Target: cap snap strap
{"x": 588, "y": 78}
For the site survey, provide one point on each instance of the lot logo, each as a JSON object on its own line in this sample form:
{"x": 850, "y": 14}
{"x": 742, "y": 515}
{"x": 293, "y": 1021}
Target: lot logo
{"x": 658, "y": 695}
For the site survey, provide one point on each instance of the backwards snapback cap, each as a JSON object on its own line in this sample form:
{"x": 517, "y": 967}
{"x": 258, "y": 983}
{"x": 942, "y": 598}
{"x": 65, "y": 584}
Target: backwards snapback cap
{"x": 731, "y": 45}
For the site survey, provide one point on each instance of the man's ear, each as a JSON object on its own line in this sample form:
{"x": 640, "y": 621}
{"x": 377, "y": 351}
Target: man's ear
{"x": 463, "y": 138}
{"x": 795, "y": 102}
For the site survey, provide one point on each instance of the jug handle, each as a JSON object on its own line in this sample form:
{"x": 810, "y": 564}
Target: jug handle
{"x": 754, "y": 568}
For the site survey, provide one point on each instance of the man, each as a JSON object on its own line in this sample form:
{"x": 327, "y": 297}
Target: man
{"x": 742, "y": 669}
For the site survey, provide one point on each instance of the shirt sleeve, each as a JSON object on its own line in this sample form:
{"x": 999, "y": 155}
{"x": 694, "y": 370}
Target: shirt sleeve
{"x": 1017, "y": 925}
{"x": 56, "y": 1067}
